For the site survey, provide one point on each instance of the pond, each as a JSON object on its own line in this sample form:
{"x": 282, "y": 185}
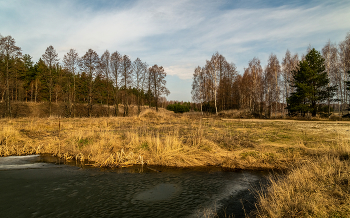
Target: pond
{"x": 41, "y": 186}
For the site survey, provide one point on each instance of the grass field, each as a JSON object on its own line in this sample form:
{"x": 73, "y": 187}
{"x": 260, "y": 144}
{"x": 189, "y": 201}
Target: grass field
{"x": 314, "y": 153}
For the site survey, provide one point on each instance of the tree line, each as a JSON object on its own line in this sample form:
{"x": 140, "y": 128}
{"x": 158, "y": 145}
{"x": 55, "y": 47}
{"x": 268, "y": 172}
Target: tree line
{"x": 109, "y": 79}
{"x": 267, "y": 92}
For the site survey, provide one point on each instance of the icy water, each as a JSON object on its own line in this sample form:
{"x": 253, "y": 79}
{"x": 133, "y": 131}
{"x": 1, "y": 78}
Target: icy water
{"x": 40, "y": 186}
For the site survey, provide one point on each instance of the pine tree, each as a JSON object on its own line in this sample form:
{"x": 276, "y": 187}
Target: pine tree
{"x": 311, "y": 85}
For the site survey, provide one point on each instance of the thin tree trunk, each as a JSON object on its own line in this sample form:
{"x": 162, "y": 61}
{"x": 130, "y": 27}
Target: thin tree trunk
{"x": 125, "y": 101}
{"x": 36, "y": 89}
{"x": 31, "y": 93}
{"x": 107, "y": 96}
{"x": 216, "y": 109}
{"x": 50, "y": 90}
{"x": 74, "y": 94}
{"x": 90, "y": 98}
{"x": 8, "y": 88}
{"x": 16, "y": 81}
{"x": 138, "y": 104}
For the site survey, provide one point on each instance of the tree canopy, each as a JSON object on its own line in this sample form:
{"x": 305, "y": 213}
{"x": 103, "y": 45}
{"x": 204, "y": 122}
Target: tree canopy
{"x": 311, "y": 85}
{"x": 78, "y": 83}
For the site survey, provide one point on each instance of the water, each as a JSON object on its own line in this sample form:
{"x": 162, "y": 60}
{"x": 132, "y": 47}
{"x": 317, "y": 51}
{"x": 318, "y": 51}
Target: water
{"x": 37, "y": 186}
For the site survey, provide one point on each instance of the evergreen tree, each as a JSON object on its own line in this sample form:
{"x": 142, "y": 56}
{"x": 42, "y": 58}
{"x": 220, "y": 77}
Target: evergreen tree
{"x": 311, "y": 85}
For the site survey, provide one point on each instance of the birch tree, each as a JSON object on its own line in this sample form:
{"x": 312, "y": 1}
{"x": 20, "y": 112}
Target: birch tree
{"x": 126, "y": 81}
{"x": 89, "y": 64}
{"x": 139, "y": 73}
{"x": 213, "y": 68}
{"x": 344, "y": 55}
{"x": 116, "y": 60}
{"x": 272, "y": 77}
{"x": 330, "y": 54}
{"x": 105, "y": 66}
{"x": 50, "y": 57}
{"x": 197, "y": 91}
{"x": 71, "y": 62}
{"x": 289, "y": 64}
{"x": 158, "y": 83}
{"x": 255, "y": 72}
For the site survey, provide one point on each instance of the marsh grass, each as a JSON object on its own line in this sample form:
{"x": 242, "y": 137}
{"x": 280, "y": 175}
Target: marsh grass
{"x": 319, "y": 187}
{"x": 314, "y": 153}
{"x": 168, "y": 139}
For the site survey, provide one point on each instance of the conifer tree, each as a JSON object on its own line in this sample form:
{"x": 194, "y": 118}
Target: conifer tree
{"x": 9, "y": 50}
{"x": 311, "y": 85}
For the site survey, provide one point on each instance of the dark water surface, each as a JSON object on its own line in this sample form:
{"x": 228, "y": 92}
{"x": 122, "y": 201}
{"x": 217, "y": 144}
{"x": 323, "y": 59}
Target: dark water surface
{"x": 37, "y": 186}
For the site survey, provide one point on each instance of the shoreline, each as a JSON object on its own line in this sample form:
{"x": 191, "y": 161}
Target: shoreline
{"x": 168, "y": 140}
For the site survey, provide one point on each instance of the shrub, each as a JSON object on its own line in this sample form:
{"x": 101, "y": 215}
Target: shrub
{"x": 179, "y": 108}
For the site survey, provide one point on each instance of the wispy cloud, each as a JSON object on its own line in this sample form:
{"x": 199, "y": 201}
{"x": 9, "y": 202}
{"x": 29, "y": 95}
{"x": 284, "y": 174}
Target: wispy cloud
{"x": 178, "y": 35}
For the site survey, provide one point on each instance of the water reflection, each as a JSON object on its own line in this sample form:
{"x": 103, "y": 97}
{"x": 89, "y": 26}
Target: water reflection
{"x": 45, "y": 187}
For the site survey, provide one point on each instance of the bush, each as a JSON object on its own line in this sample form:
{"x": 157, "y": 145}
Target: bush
{"x": 209, "y": 108}
{"x": 179, "y": 108}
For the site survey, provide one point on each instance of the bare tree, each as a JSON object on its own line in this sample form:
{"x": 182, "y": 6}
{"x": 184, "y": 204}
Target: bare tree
{"x": 246, "y": 88}
{"x": 9, "y": 50}
{"x": 126, "y": 80}
{"x": 214, "y": 83}
{"x": 197, "y": 87}
{"x": 158, "y": 83}
{"x": 330, "y": 54}
{"x": 105, "y": 66}
{"x": 116, "y": 60}
{"x": 50, "y": 59}
{"x": 139, "y": 73}
{"x": 71, "y": 62}
{"x": 213, "y": 68}
{"x": 89, "y": 64}
{"x": 148, "y": 84}
{"x": 272, "y": 77}
{"x": 255, "y": 87}
{"x": 344, "y": 56}
{"x": 289, "y": 64}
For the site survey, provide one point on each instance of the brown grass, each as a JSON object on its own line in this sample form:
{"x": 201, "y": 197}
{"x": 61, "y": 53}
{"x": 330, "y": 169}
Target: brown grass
{"x": 173, "y": 140}
{"x": 317, "y": 188}
{"x": 315, "y": 153}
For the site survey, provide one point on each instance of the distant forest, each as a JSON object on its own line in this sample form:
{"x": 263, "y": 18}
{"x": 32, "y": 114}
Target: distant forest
{"x": 78, "y": 81}
{"x": 264, "y": 91}
{"x": 81, "y": 83}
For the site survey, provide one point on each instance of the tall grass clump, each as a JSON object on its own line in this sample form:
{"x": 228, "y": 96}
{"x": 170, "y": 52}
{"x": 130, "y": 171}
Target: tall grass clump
{"x": 320, "y": 187}
{"x": 169, "y": 139}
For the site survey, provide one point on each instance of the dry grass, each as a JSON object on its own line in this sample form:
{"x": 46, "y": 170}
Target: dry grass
{"x": 316, "y": 153}
{"x": 173, "y": 140}
{"x": 318, "y": 188}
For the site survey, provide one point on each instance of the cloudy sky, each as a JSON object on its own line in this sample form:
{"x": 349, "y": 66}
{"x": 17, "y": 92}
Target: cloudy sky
{"x": 178, "y": 35}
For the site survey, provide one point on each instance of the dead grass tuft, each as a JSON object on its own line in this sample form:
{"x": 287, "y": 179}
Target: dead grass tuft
{"x": 317, "y": 188}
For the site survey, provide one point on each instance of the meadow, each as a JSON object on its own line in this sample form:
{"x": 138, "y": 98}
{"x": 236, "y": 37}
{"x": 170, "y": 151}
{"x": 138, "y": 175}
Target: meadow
{"x": 313, "y": 154}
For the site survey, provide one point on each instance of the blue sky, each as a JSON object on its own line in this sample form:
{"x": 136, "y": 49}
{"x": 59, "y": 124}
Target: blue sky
{"x": 178, "y": 35}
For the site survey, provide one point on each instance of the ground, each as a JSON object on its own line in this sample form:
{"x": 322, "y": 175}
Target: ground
{"x": 174, "y": 140}
{"x": 314, "y": 154}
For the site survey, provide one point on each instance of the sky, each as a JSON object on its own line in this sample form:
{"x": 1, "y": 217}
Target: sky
{"x": 178, "y": 35}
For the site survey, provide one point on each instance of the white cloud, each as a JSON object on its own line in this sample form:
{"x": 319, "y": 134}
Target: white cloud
{"x": 178, "y": 35}
{"x": 184, "y": 71}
